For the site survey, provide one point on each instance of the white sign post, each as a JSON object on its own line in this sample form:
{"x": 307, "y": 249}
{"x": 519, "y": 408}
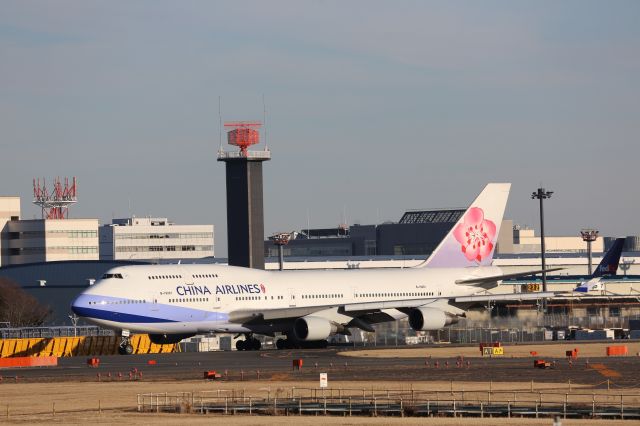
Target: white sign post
{"x": 323, "y": 380}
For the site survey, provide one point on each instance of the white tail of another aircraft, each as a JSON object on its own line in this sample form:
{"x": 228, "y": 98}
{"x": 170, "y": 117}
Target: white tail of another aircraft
{"x": 472, "y": 240}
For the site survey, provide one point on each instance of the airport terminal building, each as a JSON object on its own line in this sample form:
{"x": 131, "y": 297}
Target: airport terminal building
{"x": 418, "y": 233}
{"x": 146, "y": 238}
{"x": 44, "y": 240}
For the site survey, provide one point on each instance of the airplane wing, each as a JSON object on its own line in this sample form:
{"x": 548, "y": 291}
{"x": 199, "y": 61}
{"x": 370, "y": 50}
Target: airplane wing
{"x": 516, "y": 297}
{"x": 366, "y": 309}
{"x": 349, "y": 309}
{"x": 414, "y": 303}
{"x": 358, "y": 309}
{"x": 258, "y": 315}
{"x": 495, "y": 278}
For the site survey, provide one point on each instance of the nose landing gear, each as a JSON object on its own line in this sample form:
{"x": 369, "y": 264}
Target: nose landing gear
{"x": 125, "y": 347}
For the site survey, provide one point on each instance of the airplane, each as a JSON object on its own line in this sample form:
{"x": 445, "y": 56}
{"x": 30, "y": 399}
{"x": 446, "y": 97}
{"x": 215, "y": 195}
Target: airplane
{"x": 176, "y": 301}
{"x": 608, "y": 267}
{"x": 605, "y": 271}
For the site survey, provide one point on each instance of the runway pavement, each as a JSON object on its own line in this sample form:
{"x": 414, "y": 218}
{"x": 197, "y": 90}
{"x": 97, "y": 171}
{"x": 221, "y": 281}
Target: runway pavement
{"x": 277, "y": 365}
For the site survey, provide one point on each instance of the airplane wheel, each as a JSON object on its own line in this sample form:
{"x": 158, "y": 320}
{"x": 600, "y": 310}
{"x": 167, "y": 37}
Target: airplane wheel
{"x": 240, "y": 345}
{"x": 125, "y": 349}
{"x": 281, "y": 343}
{"x": 256, "y": 345}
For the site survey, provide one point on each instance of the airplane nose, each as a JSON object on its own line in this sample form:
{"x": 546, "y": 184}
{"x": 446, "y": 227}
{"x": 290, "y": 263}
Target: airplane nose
{"x": 75, "y": 306}
{"x": 78, "y": 305}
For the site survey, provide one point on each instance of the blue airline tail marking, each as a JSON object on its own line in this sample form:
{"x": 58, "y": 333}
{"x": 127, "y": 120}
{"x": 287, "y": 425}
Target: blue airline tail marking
{"x": 610, "y": 261}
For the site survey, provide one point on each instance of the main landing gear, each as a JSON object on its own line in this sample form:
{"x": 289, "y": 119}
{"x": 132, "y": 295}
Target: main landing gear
{"x": 249, "y": 344}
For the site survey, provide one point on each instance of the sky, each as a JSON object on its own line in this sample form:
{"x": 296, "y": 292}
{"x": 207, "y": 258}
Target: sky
{"x": 372, "y": 107}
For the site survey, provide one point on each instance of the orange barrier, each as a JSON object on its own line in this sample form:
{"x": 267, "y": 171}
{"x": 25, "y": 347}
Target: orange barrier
{"x": 572, "y": 354}
{"x": 617, "y": 350}
{"x": 211, "y": 375}
{"x": 29, "y": 361}
{"x": 541, "y": 363}
{"x": 93, "y": 362}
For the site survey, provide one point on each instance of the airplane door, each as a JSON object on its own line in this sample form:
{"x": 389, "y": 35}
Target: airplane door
{"x": 292, "y": 297}
{"x": 217, "y": 302}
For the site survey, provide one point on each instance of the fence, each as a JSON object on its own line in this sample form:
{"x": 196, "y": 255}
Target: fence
{"x": 343, "y": 402}
{"x": 48, "y": 332}
{"x": 513, "y": 330}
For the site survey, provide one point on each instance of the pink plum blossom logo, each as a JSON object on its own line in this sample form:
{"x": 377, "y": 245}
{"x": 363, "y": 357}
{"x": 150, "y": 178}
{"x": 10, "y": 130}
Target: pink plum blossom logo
{"x": 475, "y": 234}
{"x": 262, "y": 288}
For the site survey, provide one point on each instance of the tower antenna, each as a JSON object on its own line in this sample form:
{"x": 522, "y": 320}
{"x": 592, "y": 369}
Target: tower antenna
{"x": 220, "y": 123}
{"x": 264, "y": 123}
{"x": 55, "y": 204}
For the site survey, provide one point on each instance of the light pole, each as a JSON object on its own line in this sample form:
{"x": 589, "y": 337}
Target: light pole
{"x": 589, "y": 236}
{"x": 542, "y": 194}
{"x": 281, "y": 240}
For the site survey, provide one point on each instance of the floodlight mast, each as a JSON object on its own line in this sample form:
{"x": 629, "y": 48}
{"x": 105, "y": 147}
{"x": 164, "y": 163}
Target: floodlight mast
{"x": 280, "y": 240}
{"x": 589, "y": 236}
{"x": 542, "y": 194}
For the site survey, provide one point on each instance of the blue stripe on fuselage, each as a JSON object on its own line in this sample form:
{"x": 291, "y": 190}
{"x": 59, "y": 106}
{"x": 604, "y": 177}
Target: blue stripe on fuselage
{"x": 107, "y": 315}
{"x": 123, "y": 310}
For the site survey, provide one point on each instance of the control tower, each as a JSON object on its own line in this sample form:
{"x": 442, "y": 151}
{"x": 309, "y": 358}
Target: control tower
{"x": 245, "y": 214}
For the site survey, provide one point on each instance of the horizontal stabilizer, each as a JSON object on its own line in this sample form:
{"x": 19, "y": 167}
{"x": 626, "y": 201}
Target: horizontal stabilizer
{"x": 510, "y": 296}
{"x": 494, "y": 278}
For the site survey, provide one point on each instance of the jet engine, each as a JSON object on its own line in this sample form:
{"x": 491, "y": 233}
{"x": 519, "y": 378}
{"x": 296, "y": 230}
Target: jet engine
{"x": 313, "y": 328}
{"x": 166, "y": 339}
{"x": 425, "y": 319}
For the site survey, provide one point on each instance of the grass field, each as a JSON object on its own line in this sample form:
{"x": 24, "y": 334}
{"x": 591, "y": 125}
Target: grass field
{"x": 115, "y": 402}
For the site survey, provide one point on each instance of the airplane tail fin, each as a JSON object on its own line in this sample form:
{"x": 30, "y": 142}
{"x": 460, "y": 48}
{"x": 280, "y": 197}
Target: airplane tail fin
{"x": 472, "y": 240}
{"x": 610, "y": 261}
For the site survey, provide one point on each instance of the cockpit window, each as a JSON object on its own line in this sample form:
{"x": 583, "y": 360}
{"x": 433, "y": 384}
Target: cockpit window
{"x": 118, "y": 276}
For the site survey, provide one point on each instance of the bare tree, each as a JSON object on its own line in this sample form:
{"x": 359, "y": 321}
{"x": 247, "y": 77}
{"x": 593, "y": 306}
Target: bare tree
{"x": 19, "y": 308}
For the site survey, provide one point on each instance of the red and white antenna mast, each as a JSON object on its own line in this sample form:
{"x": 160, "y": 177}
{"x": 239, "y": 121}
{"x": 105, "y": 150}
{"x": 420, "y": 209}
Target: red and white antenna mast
{"x": 55, "y": 205}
